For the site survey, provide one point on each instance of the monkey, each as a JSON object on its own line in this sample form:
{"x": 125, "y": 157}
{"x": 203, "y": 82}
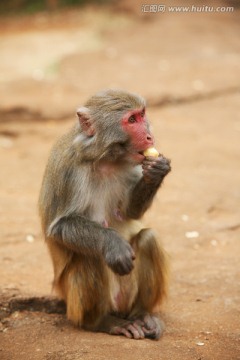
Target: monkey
{"x": 111, "y": 272}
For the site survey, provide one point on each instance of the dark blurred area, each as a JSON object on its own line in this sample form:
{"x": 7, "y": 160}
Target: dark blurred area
{"x": 28, "y": 6}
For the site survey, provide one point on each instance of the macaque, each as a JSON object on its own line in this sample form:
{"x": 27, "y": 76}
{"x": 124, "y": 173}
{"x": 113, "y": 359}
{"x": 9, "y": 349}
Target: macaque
{"x": 109, "y": 269}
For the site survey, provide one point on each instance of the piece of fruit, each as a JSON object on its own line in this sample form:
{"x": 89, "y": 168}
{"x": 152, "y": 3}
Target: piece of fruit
{"x": 151, "y": 152}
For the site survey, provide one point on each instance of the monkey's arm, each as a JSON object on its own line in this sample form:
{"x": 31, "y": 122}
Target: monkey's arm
{"x": 154, "y": 171}
{"x": 82, "y": 235}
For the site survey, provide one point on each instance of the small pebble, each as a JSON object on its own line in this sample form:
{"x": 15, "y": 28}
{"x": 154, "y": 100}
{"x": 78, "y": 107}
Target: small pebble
{"x": 6, "y": 143}
{"x": 30, "y": 238}
{"x": 185, "y": 217}
{"x": 200, "y": 343}
{"x": 15, "y": 314}
{"x": 192, "y": 234}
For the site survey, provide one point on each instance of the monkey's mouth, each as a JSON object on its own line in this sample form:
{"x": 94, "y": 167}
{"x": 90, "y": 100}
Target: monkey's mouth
{"x": 141, "y": 153}
{"x": 138, "y": 157}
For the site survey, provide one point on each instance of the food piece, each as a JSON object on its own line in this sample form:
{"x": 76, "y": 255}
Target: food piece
{"x": 151, "y": 152}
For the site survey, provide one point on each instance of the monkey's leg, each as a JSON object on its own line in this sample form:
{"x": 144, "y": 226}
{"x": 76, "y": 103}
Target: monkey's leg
{"x": 152, "y": 275}
{"x": 85, "y": 286}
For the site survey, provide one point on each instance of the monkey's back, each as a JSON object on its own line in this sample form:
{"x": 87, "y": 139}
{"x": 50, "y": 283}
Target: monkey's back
{"x": 54, "y": 191}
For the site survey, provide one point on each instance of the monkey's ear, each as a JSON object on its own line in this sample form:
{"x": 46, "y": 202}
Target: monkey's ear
{"x": 85, "y": 121}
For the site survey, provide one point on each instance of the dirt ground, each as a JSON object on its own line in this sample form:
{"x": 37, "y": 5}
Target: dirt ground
{"x": 188, "y": 68}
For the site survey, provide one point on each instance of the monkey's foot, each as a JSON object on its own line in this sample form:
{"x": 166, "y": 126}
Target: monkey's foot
{"x": 115, "y": 325}
{"x": 132, "y": 330}
{"x": 148, "y": 326}
{"x": 151, "y": 326}
{"x": 145, "y": 326}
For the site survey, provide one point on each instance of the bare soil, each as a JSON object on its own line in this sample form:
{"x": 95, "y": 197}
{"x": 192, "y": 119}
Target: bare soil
{"x": 188, "y": 67}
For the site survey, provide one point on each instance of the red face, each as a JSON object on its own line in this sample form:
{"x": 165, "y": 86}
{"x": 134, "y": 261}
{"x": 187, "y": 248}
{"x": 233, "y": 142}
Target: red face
{"x": 134, "y": 123}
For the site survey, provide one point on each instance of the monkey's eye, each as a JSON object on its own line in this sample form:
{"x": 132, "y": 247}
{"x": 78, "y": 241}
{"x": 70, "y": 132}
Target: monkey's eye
{"x": 142, "y": 113}
{"x": 132, "y": 119}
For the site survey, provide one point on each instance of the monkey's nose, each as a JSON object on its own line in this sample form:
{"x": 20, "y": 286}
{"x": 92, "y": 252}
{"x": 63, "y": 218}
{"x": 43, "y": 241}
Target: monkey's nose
{"x": 149, "y": 139}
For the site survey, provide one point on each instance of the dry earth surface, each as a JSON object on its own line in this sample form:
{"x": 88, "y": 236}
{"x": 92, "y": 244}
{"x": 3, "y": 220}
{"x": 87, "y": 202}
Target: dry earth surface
{"x": 188, "y": 67}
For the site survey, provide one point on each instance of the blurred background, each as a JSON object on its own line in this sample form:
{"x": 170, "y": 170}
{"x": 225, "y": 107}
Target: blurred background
{"x": 50, "y": 50}
{"x": 184, "y": 58}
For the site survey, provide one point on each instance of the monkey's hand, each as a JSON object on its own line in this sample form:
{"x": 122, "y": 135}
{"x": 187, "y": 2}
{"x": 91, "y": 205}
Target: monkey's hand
{"x": 155, "y": 169}
{"x": 118, "y": 253}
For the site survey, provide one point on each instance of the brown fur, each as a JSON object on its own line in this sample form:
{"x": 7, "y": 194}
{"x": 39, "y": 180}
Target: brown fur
{"x": 91, "y": 192}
